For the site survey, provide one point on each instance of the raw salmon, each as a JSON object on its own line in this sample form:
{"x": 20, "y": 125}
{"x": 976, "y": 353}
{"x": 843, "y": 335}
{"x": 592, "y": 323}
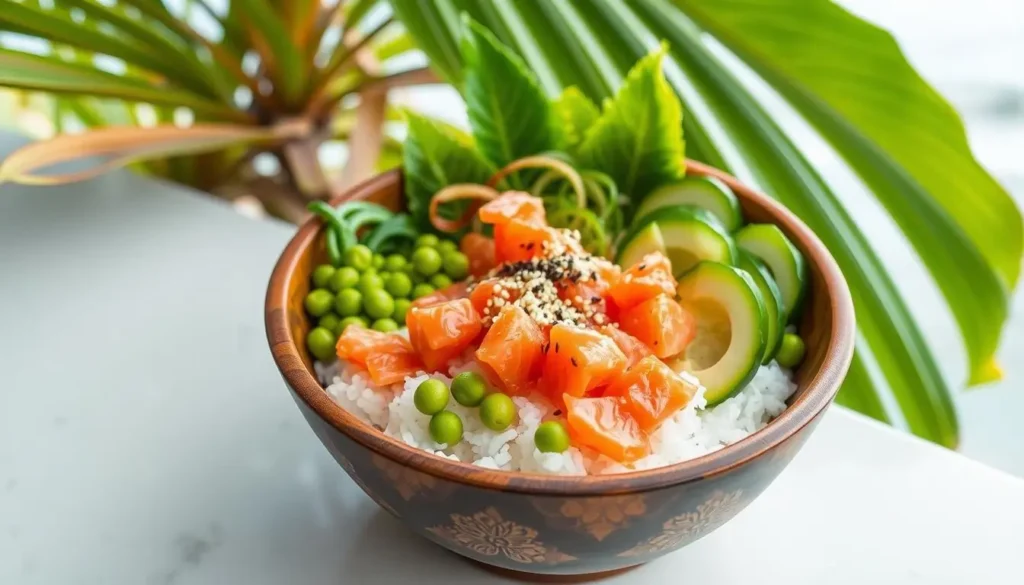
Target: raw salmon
{"x": 579, "y": 360}
{"x": 632, "y": 347}
{"x": 386, "y": 368}
{"x": 357, "y": 343}
{"x": 479, "y": 249}
{"x": 513, "y": 205}
{"x": 604, "y": 426}
{"x": 651, "y": 392}
{"x": 662, "y": 324}
{"x": 512, "y": 349}
{"x": 645, "y": 279}
{"x": 441, "y": 332}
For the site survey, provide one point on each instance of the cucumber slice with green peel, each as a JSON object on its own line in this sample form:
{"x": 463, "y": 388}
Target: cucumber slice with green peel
{"x": 775, "y": 314}
{"x": 646, "y": 241}
{"x": 708, "y": 193}
{"x": 689, "y": 234}
{"x": 786, "y": 263}
{"x": 727, "y": 349}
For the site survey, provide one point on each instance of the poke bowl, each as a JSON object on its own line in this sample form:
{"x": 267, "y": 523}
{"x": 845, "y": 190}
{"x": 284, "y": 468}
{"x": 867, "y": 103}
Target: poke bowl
{"x": 642, "y": 452}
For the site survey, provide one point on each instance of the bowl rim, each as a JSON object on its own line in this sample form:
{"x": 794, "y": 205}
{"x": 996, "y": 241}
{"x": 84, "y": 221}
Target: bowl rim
{"x": 821, "y": 389}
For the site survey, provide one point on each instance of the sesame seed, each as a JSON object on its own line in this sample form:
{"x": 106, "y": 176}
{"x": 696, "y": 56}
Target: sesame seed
{"x": 574, "y": 364}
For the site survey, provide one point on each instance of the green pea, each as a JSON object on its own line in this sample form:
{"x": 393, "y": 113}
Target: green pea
{"x": 370, "y": 270}
{"x": 385, "y": 275}
{"x": 344, "y": 277}
{"x": 370, "y": 281}
{"x": 497, "y": 411}
{"x": 427, "y": 261}
{"x": 349, "y": 302}
{"x": 551, "y": 437}
{"x": 321, "y": 342}
{"x": 318, "y": 302}
{"x": 469, "y": 388}
{"x": 322, "y": 275}
{"x": 426, "y": 241}
{"x": 354, "y": 320}
{"x": 359, "y": 257}
{"x": 377, "y": 262}
{"x": 431, "y": 397}
{"x": 378, "y": 304}
{"x": 399, "y": 285}
{"x": 395, "y": 262}
{"x": 446, "y": 428}
{"x": 421, "y": 290}
{"x": 440, "y": 281}
{"x": 791, "y": 352}
{"x": 446, "y": 247}
{"x": 384, "y": 325}
{"x": 401, "y": 308}
{"x": 329, "y": 321}
{"x": 456, "y": 265}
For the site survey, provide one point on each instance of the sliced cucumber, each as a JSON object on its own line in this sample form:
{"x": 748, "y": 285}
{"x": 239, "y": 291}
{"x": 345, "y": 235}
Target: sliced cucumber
{"x": 646, "y": 241}
{"x": 689, "y": 234}
{"x": 775, "y": 314}
{"x": 708, "y": 193}
{"x": 786, "y": 263}
{"x": 729, "y": 344}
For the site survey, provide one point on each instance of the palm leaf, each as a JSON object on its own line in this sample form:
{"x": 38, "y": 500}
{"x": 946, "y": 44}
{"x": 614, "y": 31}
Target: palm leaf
{"x": 122, "y": 146}
{"x": 727, "y": 127}
{"x": 903, "y": 140}
{"x": 51, "y": 74}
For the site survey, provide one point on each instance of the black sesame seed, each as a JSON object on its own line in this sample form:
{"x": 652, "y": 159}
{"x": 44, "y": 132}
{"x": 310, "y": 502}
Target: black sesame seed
{"x": 556, "y": 347}
{"x": 574, "y": 364}
{"x": 558, "y": 412}
{"x": 642, "y": 266}
{"x": 595, "y": 299}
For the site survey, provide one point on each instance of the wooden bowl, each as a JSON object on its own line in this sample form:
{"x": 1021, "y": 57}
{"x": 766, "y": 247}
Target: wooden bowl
{"x": 561, "y": 525}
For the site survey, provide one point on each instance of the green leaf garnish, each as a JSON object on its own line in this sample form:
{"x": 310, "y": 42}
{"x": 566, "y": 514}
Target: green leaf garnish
{"x": 437, "y": 155}
{"x": 510, "y": 115}
{"x": 638, "y": 140}
{"x": 576, "y": 113}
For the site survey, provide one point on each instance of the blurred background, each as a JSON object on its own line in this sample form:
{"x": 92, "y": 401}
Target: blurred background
{"x": 969, "y": 51}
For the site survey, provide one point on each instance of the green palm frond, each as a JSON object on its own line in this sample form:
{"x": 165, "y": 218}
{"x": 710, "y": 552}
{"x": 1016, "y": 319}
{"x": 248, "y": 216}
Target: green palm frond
{"x": 849, "y": 80}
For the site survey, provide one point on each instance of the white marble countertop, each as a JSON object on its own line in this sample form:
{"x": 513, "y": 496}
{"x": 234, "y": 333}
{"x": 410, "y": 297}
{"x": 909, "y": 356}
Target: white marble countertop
{"x": 146, "y": 437}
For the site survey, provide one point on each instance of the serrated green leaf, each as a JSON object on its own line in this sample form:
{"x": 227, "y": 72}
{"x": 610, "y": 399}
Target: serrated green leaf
{"x": 510, "y": 115}
{"x": 437, "y": 155}
{"x": 638, "y": 140}
{"x": 577, "y": 114}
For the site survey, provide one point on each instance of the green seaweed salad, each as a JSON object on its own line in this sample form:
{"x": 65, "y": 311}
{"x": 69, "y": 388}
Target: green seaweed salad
{"x": 614, "y": 172}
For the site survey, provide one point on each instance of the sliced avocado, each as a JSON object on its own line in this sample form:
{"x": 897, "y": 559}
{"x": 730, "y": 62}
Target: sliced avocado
{"x": 707, "y": 193}
{"x": 786, "y": 263}
{"x": 729, "y": 345}
{"x": 689, "y": 234}
{"x": 646, "y": 241}
{"x": 775, "y": 315}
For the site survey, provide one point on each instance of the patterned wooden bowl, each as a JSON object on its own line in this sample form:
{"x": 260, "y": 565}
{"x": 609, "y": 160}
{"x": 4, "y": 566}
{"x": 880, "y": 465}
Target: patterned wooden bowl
{"x": 561, "y": 525}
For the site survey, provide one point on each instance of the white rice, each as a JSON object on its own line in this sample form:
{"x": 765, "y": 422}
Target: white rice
{"x": 692, "y": 432}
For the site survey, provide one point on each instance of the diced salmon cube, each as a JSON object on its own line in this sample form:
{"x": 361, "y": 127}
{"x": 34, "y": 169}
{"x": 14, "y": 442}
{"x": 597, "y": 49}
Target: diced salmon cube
{"x": 578, "y": 361}
{"x": 603, "y": 425}
{"x": 661, "y": 323}
{"x": 512, "y": 349}
{"x": 513, "y": 205}
{"x": 441, "y": 332}
{"x": 479, "y": 249}
{"x": 357, "y": 343}
{"x": 646, "y": 279}
{"x": 386, "y": 368}
{"x": 651, "y": 392}
{"x": 633, "y": 348}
